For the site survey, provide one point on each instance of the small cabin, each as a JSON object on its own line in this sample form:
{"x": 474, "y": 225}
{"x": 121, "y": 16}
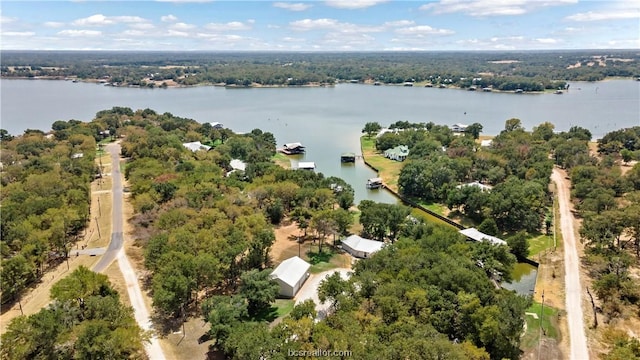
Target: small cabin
{"x": 306, "y": 165}
{"x": 293, "y": 148}
{"x": 374, "y": 183}
{"x": 348, "y": 157}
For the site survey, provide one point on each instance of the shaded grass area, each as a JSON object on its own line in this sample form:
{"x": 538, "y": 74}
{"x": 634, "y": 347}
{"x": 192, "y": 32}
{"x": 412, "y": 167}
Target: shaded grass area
{"x": 280, "y": 308}
{"x": 328, "y": 259}
{"x": 548, "y": 323}
{"x": 539, "y": 243}
{"x": 388, "y": 170}
{"x": 281, "y": 160}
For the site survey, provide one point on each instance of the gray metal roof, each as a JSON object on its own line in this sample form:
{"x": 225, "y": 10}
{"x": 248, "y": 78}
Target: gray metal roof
{"x": 473, "y": 233}
{"x": 358, "y": 243}
{"x": 291, "y": 270}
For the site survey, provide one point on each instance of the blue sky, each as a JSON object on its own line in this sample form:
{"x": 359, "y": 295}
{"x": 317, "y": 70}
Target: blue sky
{"x": 336, "y": 25}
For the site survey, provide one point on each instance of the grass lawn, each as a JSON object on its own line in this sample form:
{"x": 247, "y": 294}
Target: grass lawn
{"x": 388, "y": 170}
{"x": 436, "y": 208}
{"x": 326, "y": 260}
{"x": 280, "y": 308}
{"x": 281, "y": 160}
{"x": 284, "y": 306}
{"x": 539, "y": 243}
{"x": 549, "y": 325}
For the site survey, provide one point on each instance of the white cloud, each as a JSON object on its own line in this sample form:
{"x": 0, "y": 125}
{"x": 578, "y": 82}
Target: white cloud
{"x": 185, "y": 1}
{"x": 53, "y": 24}
{"x": 292, "y": 6}
{"x": 177, "y": 33}
{"x": 353, "y": 4}
{"x": 333, "y": 25}
{"x": 182, "y": 26}
{"x": 80, "y": 33}
{"x": 483, "y": 8}
{"x": 309, "y": 24}
{"x": 18, "y": 33}
{"x": 423, "y": 30}
{"x": 292, "y": 39}
{"x": 6, "y": 20}
{"x": 399, "y": 23}
{"x": 230, "y": 26}
{"x": 547, "y": 41}
{"x": 168, "y": 18}
{"x": 605, "y": 15}
{"x": 142, "y": 26}
{"x": 101, "y": 20}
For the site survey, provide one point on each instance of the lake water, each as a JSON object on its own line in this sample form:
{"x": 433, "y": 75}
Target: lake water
{"x": 327, "y": 120}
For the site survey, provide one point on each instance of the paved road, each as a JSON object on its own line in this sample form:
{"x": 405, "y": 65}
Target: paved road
{"x": 115, "y": 251}
{"x": 116, "y": 223}
{"x": 573, "y": 288}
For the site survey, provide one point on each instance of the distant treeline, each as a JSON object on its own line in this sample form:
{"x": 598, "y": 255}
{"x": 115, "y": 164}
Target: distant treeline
{"x": 530, "y": 71}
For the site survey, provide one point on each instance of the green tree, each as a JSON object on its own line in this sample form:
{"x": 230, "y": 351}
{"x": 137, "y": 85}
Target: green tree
{"x": 519, "y": 245}
{"x": 223, "y": 313}
{"x": 474, "y": 130}
{"x": 371, "y": 128}
{"x": 259, "y": 290}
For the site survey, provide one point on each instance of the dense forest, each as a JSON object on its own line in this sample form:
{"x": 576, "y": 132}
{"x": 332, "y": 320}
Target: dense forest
{"x": 529, "y": 71}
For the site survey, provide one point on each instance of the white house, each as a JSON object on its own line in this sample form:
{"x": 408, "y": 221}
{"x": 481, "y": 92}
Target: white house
{"x": 459, "y": 128}
{"x": 237, "y": 165}
{"x": 398, "y": 153}
{"x": 474, "y": 234}
{"x": 305, "y": 165}
{"x": 290, "y": 275}
{"x": 196, "y": 145}
{"x": 486, "y": 143}
{"x": 216, "y": 125}
{"x": 482, "y": 187}
{"x": 361, "y": 247}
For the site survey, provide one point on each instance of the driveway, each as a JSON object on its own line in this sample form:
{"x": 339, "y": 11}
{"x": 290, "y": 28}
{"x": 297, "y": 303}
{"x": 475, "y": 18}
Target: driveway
{"x": 310, "y": 290}
{"x": 573, "y": 287}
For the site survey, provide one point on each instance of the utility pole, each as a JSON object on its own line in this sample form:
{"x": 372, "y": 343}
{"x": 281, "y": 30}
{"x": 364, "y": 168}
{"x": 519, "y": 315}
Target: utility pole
{"x": 99, "y": 207}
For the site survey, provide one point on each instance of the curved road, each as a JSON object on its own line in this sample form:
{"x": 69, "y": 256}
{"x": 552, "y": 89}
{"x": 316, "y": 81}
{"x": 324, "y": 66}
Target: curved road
{"x": 573, "y": 288}
{"x": 115, "y": 251}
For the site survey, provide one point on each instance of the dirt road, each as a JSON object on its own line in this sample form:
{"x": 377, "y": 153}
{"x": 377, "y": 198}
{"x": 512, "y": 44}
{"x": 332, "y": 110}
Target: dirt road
{"x": 115, "y": 251}
{"x": 573, "y": 288}
{"x": 310, "y": 290}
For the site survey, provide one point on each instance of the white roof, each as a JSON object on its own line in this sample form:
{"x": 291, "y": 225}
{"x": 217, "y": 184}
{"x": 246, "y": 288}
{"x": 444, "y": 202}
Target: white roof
{"x": 216, "y": 124}
{"x": 306, "y": 165}
{"x": 77, "y": 155}
{"x": 460, "y": 125}
{"x": 292, "y": 145}
{"x": 482, "y": 187}
{"x": 196, "y": 145}
{"x": 476, "y": 235}
{"x": 358, "y": 243}
{"x": 291, "y": 270}
{"x": 486, "y": 143}
{"x": 237, "y": 164}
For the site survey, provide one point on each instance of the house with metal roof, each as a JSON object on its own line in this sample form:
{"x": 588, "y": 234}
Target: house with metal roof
{"x": 361, "y": 247}
{"x": 474, "y": 234}
{"x": 290, "y": 275}
{"x": 196, "y": 145}
{"x": 398, "y": 153}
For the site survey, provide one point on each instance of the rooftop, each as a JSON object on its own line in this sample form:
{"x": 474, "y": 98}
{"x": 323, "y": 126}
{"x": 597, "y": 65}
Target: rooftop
{"x": 358, "y": 243}
{"x": 291, "y": 270}
{"x": 474, "y": 234}
{"x": 196, "y": 145}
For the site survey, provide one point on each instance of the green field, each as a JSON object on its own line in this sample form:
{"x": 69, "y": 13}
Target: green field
{"x": 548, "y": 327}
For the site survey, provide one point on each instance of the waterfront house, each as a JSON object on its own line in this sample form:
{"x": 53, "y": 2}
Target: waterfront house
{"x": 474, "y": 234}
{"x": 290, "y": 276}
{"x": 293, "y": 148}
{"x": 459, "y": 128}
{"x": 196, "y": 145}
{"x": 398, "y": 153}
{"x": 305, "y": 165}
{"x": 361, "y": 247}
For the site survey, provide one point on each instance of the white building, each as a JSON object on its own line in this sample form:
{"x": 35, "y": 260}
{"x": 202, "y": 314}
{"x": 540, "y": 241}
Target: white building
{"x": 305, "y": 165}
{"x": 196, "y": 145}
{"x": 474, "y": 234}
{"x": 482, "y": 187}
{"x": 290, "y": 275}
{"x": 486, "y": 143}
{"x": 216, "y": 125}
{"x": 459, "y": 128}
{"x": 361, "y": 247}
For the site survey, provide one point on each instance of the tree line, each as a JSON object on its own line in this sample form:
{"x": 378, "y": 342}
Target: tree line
{"x": 530, "y": 71}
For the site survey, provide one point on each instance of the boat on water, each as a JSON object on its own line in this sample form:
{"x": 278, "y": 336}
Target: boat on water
{"x": 374, "y": 183}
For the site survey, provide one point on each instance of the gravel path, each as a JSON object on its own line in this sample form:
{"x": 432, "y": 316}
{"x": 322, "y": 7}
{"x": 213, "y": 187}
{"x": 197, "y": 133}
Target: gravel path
{"x": 115, "y": 252}
{"x": 573, "y": 288}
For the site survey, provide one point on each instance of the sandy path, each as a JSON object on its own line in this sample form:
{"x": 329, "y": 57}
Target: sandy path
{"x": 573, "y": 288}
